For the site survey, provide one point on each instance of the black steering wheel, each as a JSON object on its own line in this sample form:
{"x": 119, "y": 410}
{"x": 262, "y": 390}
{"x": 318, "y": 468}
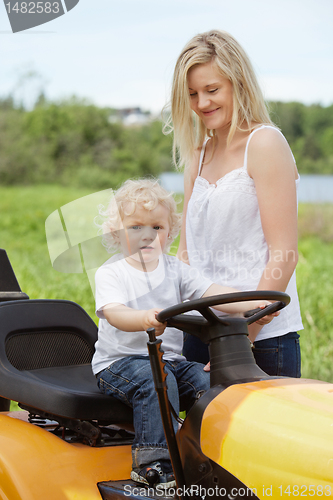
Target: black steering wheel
{"x": 197, "y": 325}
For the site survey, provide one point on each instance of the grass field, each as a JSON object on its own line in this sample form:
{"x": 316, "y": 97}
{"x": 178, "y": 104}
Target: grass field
{"x": 23, "y": 213}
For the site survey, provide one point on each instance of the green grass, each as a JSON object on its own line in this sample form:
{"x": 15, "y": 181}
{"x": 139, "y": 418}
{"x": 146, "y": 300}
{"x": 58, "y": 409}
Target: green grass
{"x": 22, "y": 227}
{"x": 315, "y": 288}
{"x": 316, "y": 220}
{"x": 23, "y": 213}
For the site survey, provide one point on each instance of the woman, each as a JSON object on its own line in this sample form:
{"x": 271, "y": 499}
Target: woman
{"x": 240, "y": 202}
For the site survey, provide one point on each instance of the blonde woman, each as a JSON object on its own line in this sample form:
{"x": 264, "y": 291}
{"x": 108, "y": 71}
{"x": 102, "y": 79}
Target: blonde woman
{"x": 240, "y": 206}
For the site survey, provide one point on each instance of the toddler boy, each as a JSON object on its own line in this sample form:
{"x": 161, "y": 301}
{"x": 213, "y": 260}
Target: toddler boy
{"x": 131, "y": 288}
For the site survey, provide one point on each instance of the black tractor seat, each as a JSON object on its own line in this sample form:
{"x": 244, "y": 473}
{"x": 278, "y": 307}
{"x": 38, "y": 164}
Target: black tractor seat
{"x": 46, "y": 347}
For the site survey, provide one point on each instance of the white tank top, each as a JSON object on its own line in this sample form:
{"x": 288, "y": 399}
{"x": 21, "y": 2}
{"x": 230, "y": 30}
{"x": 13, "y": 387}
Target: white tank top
{"x": 225, "y": 239}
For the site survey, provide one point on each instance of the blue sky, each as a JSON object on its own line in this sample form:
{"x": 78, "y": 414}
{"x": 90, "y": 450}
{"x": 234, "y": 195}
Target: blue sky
{"x": 122, "y": 53}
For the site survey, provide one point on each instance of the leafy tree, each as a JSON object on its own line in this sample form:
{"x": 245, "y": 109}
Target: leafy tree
{"x": 289, "y": 117}
{"x": 73, "y": 142}
{"x": 309, "y": 131}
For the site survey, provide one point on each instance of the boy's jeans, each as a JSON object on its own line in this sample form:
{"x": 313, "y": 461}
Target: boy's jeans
{"x": 130, "y": 379}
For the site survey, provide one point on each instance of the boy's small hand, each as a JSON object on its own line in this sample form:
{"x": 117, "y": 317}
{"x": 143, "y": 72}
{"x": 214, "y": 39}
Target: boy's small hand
{"x": 150, "y": 321}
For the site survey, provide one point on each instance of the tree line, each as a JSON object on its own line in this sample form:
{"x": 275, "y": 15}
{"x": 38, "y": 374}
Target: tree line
{"x": 73, "y": 142}
{"x": 309, "y": 131}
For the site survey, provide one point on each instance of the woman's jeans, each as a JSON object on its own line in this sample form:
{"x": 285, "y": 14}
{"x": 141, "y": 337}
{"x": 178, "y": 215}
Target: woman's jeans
{"x": 279, "y": 356}
{"x": 130, "y": 379}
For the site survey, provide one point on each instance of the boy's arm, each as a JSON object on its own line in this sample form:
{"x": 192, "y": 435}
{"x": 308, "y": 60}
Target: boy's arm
{"x": 132, "y": 320}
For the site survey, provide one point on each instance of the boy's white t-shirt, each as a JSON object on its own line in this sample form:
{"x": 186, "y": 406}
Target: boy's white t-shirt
{"x": 117, "y": 281}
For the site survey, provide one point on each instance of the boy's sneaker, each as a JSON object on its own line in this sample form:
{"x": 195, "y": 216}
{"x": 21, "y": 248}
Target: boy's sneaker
{"x": 154, "y": 475}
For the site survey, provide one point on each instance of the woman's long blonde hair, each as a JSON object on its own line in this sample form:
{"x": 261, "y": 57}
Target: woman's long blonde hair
{"x": 233, "y": 63}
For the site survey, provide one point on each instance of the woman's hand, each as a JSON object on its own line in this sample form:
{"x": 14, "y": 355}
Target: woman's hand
{"x": 267, "y": 319}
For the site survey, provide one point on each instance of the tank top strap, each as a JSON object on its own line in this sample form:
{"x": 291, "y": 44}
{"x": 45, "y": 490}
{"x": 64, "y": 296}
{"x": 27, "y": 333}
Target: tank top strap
{"x": 202, "y": 154}
{"x": 249, "y": 138}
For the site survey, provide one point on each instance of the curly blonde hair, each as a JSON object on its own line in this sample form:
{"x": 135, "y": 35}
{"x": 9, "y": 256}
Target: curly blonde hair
{"x": 147, "y": 193}
{"x": 233, "y": 63}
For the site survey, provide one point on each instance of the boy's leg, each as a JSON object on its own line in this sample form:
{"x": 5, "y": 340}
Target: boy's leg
{"x": 130, "y": 380}
{"x": 192, "y": 382}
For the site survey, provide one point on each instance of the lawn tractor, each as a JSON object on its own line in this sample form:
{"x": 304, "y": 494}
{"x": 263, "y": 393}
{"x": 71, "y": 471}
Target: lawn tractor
{"x": 250, "y": 436}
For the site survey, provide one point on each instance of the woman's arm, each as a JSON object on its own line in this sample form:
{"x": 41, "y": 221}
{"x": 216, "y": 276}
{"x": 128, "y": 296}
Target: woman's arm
{"x": 133, "y": 320}
{"x": 189, "y": 178}
{"x": 272, "y": 167}
{"x": 238, "y": 307}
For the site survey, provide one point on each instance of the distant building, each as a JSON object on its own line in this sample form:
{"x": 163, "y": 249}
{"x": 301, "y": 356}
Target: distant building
{"x": 130, "y": 116}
